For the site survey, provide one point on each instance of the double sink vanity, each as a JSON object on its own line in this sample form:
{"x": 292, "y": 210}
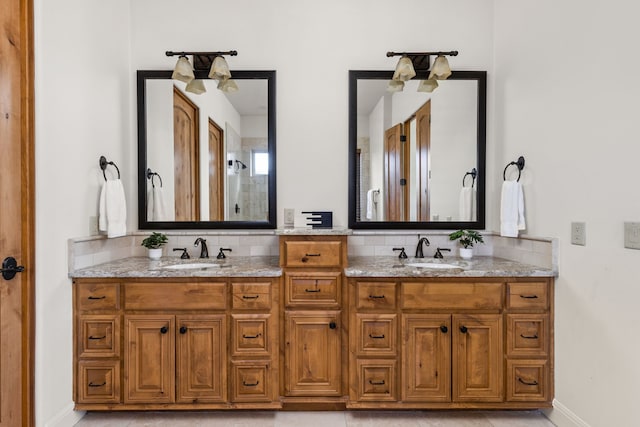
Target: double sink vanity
{"x": 313, "y": 329}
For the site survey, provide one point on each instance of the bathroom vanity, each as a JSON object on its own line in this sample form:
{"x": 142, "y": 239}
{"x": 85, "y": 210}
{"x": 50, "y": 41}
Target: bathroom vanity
{"x": 312, "y": 329}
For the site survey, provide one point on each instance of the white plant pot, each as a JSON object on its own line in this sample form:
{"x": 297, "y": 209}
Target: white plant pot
{"x": 155, "y": 253}
{"x": 466, "y": 253}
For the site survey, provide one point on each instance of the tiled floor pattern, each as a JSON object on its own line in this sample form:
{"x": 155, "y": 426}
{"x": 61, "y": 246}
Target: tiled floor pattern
{"x": 318, "y": 419}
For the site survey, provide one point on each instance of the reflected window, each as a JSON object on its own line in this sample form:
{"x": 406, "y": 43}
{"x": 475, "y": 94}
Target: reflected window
{"x": 259, "y": 162}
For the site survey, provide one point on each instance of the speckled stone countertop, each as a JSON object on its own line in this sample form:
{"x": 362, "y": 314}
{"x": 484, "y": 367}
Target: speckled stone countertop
{"x": 478, "y": 266}
{"x": 255, "y": 266}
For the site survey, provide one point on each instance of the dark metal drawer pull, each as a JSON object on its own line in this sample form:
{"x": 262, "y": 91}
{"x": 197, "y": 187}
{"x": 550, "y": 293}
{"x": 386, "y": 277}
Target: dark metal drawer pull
{"x": 250, "y": 297}
{"x": 97, "y": 385}
{"x": 91, "y": 337}
{"x": 376, "y": 296}
{"x": 530, "y": 337}
{"x": 377, "y": 337}
{"x": 526, "y": 383}
{"x": 311, "y": 254}
{"x": 529, "y": 296}
{"x": 250, "y": 384}
{"x": 102, "y": 297}
{"x": 376, "y": 382}
{"x": 312, "y": 290}
{"x": 250, "y": 336}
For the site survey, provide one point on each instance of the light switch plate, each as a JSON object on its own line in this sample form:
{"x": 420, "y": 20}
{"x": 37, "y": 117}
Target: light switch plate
{"x": 289, "y": 217}
{"x": 93, "y": 226}
{"x": 578, "y": 233}
{"x": 632, "y": 235}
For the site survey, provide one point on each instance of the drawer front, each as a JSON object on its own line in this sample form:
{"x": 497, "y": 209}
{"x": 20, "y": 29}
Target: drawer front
{"x": 313, "y": 254}
{"x": 313, "y": 289}
{"x": 98, "y": 296}
{"x": 527, "y": 335}
{"x": 251, "y": 296}
{"x": 376, "y": 334}
{"x": 251, "y": 335}
{"x": 528, "y": 380}
{"x": 99, "y": 336}
{"x": 98, "y": 381}
{"x": 251, "y": 382}
{"x": 377, "y": 380}
{"x": 175, "y": 296}
{"x": 376, "y": 295}
{"x": 451, "y": 295}
{"x": 532, "y": 295}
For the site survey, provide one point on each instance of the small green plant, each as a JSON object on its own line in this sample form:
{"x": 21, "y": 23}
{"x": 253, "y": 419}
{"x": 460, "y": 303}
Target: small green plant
{"x": 155, "y": 241}
{"x": 467, "y": 237}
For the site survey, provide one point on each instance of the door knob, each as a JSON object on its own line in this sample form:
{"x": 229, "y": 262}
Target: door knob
{"x": 10, "y": 267}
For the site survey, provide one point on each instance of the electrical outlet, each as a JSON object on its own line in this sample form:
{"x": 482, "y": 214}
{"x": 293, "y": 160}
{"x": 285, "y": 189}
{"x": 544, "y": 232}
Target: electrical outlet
{"x": 578, "y": 233}
{"x": 93, "y": 226}
{"x": 632, "y": 235}
{"x": 289, "y": 217}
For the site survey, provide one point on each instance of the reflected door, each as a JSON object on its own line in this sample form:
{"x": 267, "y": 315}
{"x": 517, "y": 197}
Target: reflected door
{"x": 186, "y": 154}
{"x": 216, "y": 175}
{"x": 423, "y": 143}
{"x": 394, "y": 176}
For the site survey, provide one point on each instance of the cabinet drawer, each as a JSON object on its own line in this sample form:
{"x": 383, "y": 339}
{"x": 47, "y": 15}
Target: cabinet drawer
{"x": 451, "y": 295}
{"x": 531, "y": 295}
{"x": 98, "y": 381}
{"x": 175, "y": 296}
{"x": 528, "y": 380}
{"x": 251, "y": 296}
{"x": 251, "y": 335}
{"x": 99, "y": 336}
{"x": 313, "y": 289}
{"x": 98, "y": 296}
{"x": 527, "y": 335}
{"x": 313, "y": 254}
{"x": 377, "y": 380}
{"x": 376, "y": 334}
{"x": 376, "y": 295}
{"x": 251, "y": 382}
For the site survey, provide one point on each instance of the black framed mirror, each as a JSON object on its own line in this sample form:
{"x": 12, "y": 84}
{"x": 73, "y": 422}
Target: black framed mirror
{"x": 206, "y": 161}
{"x": 417, "y": 160}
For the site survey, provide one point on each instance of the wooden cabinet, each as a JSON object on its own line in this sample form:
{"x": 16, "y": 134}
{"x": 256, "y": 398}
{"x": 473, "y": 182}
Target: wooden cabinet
{"x": 176, "y": 344}
{"x": 313, "y": 319}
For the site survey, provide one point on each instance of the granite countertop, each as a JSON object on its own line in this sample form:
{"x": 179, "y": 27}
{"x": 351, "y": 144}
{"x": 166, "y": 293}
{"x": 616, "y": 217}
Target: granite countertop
{"x": 256, "y": 266}
{"x": 478, "y": 266}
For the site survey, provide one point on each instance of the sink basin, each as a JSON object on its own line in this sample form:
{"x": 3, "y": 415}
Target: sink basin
{"x": 436, "y": 265}
{"x": 194, "y": 266}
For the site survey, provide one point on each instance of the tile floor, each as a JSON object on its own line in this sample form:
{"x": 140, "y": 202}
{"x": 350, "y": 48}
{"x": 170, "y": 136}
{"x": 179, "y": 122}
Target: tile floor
{"x": 318, "y": 419}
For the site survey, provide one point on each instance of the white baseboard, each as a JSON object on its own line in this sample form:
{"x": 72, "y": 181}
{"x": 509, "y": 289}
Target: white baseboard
{"x": 562, "y": 416}
{"x": 67, "y": 417}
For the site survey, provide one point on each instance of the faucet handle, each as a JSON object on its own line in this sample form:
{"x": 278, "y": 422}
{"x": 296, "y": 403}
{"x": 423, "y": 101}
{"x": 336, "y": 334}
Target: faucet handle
{"x": 221, "y": 254}
{"x": 403, "y": 254}
{"x": 439, "y": 254}
{"x": 185, "y": 254}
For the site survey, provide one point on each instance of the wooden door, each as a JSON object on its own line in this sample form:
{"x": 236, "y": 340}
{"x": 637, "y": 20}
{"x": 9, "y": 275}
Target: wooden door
{"x": 477, "y": 356}
{"x": 426, "y": 353}
{"x": 312, "y": 353}
{"x": 149, "y": 364}
{"x": 216, "y": 172}
{"x": 201, "y": 359}
{"x": 423, "y": 159}
{"x": 186, "y": 150}
{"x": 394, "y": 175}
{"x": 17, "y": 210}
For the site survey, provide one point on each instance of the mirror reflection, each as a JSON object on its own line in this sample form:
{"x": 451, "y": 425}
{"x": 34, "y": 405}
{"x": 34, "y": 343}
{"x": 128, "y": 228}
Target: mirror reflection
{"x": 417, "y": 158}
{"x": 206, "y": 160}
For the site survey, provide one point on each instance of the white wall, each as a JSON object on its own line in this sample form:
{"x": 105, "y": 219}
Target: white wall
{"x": 566, "y": 98}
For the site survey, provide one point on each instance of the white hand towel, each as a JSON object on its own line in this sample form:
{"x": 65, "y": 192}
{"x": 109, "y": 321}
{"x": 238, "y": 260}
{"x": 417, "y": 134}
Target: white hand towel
{"x": 113, "y": 209}
{"x": 467, "y": 204}
{"x": 159, "y": 207}
{"x": 370, "y": 204}
{"x": 512, "y": 209}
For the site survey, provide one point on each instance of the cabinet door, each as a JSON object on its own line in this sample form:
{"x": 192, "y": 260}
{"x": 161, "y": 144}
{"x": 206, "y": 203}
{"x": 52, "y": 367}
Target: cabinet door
{"x": 312, "y": 353}
{"x": 149, "y": 359}
{"x": 477, "y": 358}
{"x": 426, "y": 349}
{"x": 201, "y": 359}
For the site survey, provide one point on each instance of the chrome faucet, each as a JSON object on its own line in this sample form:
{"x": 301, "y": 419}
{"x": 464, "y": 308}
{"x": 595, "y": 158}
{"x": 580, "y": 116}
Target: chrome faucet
{"x": 419, "y": 253}
{"x": 204, "y": 251}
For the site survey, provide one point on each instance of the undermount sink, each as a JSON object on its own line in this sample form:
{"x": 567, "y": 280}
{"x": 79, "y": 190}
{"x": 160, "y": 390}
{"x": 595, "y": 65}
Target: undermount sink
{"x": 194, "y": 266}
{"x": 436, "y": 265}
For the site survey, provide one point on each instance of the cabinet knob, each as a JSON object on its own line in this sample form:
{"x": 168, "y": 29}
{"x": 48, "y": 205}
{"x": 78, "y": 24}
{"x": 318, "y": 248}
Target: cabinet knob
{"x": 164, "y": 330}
{"x": 183, "y": 329}
{"x": 332, "y": 325}
{"x": 444, "y": 329}
{"x": 463, "y": 329}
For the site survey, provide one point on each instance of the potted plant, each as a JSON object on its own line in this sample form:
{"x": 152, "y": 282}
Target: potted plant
{"x": 154, "y": 243}
{"x": 467, "y": 239}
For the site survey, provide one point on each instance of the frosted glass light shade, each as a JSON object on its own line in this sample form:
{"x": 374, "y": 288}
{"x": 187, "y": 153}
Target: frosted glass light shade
{"x": 428, "y": 85}
{"x": 219, "y": 69}
{"x": 183, "y": 70}
{"x": 395, "y": 86}
{"x": 404, "y": 70}
{"x": 196, "y": 86}
{"x": 441, "y": 69}
{"x": 228, "y": 85}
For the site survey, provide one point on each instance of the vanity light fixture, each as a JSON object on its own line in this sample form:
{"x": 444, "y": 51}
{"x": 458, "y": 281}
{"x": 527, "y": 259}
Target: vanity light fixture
{"x": 203, "y": 61}
{"x": 411, "y": 63}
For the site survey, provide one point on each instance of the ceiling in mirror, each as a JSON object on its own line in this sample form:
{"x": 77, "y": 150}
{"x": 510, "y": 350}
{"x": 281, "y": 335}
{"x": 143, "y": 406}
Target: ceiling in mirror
{"x": 417, "y": 159}
{"x": 206, "y": 158}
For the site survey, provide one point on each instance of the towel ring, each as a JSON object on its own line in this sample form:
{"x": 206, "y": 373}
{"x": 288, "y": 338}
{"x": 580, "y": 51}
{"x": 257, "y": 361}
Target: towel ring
{"x": 519, "y": 164}
{"x": 473, "y": 174}
{"x": 103, "y": 166}
{"x": 151, "y": 174}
